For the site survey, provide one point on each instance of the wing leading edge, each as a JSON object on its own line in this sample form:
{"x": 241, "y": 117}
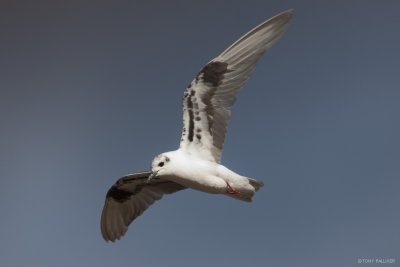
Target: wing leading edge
{"x": 208, "y": 98}
{"x": 128, "y": 198}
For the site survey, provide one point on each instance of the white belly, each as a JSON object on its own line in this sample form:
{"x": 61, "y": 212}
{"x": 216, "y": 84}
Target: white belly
{"x": 210, "y": 184}
{"x": 199, "y": 175}
{"x": 204, "y": 175}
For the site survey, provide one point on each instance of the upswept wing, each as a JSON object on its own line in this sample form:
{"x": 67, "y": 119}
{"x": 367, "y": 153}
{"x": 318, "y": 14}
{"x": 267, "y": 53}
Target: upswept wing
{"x": 207, "y": 99}
{"x": 128, "y": 198}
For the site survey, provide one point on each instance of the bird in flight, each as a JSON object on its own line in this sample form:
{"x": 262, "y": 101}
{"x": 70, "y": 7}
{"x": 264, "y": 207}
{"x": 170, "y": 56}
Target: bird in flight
{"x": 206, "y": 112}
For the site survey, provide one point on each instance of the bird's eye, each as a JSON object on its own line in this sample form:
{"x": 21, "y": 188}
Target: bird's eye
{"x": 161, "y": 164}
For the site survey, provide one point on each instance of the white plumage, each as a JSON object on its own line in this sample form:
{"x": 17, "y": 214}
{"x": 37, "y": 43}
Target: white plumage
{"x": 206, "y": 113}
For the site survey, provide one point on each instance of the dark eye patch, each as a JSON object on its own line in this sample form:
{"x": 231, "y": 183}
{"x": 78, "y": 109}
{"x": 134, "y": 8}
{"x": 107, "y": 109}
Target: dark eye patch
{"x": 161, "y": 164}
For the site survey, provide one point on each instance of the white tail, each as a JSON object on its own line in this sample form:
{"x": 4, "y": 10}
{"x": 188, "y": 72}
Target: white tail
{"x": 255, "y": 183}
{"x": 247, "y": 195}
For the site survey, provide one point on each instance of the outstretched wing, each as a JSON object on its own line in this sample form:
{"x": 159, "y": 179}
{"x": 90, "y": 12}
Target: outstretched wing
{"x": 128, "y": 198}
{"x": 207, "y": 99}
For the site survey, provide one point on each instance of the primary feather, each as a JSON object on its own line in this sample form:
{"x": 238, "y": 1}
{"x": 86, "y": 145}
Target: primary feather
{"x": 207, "y": 100}
{"x": 128, "y": 198}
{"x": 206, "y": 113}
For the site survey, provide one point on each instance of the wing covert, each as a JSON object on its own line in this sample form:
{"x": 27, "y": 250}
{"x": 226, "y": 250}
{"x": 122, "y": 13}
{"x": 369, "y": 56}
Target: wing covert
{"x": 128, "y": 198}
{"x": 207, "y": 100}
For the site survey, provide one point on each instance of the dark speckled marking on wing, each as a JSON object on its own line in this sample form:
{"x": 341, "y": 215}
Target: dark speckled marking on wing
{"x": 212, "y": 74}
{"x": 206, "y": 112}
{"x": 216, "y": 86}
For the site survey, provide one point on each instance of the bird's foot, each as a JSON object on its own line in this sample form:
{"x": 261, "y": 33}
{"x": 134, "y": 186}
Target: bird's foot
{"x": 232, "y": 191}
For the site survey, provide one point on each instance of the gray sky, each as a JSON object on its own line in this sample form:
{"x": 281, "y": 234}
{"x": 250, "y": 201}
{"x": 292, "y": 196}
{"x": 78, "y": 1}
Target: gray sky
{"x": 91, "y": 90}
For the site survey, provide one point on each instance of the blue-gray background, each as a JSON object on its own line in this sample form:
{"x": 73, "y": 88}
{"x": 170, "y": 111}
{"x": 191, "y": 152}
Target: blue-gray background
{"x": 90, "y": 91}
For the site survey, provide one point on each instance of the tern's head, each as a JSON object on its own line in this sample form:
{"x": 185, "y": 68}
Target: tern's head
{"x": 160, "y": 165}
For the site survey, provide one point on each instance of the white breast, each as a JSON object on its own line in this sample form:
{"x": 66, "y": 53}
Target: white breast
{"x": 195, "y": 173}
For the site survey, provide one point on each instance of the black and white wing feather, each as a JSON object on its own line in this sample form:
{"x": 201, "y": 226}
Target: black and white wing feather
{"x": 207, "y": 99}
{"x": 128, "y": 198}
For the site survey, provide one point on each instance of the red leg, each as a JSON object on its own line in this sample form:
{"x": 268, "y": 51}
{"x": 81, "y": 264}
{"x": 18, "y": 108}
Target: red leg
{"x": 232, "y": 191}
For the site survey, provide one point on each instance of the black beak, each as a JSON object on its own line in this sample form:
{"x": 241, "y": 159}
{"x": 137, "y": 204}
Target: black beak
{"x": 152, "y": 175}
